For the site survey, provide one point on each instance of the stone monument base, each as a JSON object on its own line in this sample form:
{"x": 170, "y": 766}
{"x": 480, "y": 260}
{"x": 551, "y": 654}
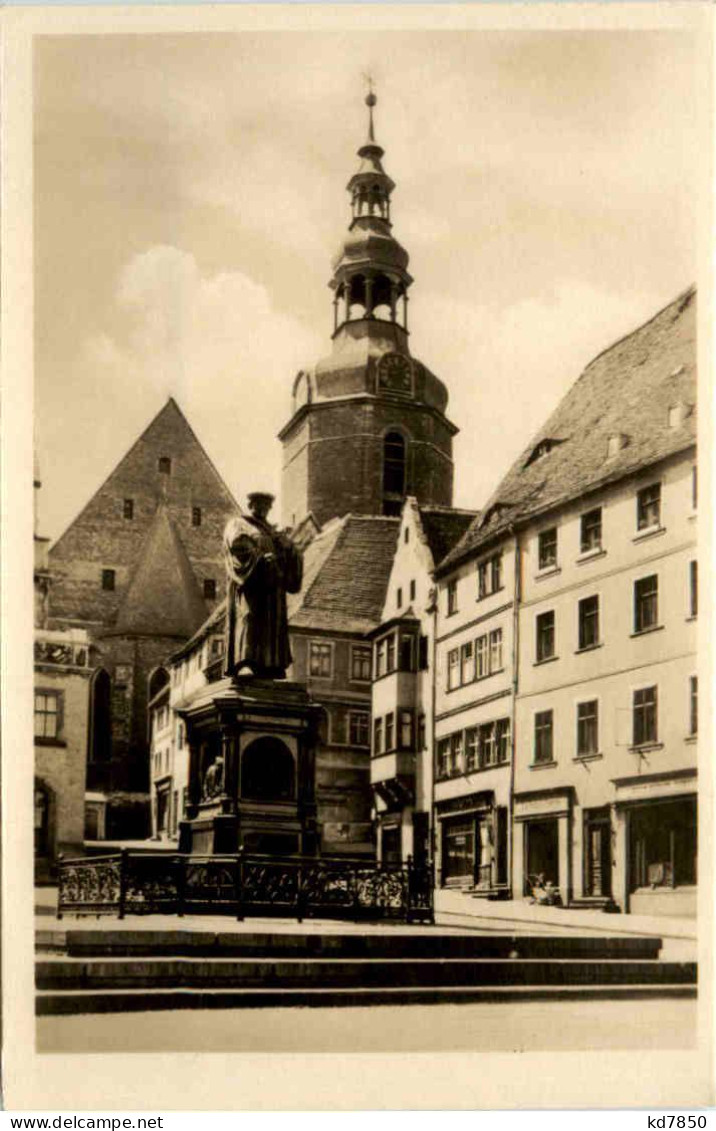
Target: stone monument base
{"x": 251, "y": 769}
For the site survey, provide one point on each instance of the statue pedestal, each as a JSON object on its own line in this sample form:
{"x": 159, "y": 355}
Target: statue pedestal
{"x": 251, "y": 768}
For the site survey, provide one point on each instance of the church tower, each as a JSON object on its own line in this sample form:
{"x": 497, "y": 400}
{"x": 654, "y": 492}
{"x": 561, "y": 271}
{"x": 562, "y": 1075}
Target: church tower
{"x": 368, "y": 424}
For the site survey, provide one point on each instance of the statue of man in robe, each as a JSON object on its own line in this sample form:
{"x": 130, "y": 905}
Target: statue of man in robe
{"x": 263, "y": 565}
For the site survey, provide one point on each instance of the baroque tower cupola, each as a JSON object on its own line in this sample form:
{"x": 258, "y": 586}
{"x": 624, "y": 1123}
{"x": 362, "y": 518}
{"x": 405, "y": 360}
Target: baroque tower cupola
{"x": 368, "y": 423}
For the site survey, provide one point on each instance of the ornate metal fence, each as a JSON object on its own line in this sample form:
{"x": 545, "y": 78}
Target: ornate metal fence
{"x": 245, "y": 885}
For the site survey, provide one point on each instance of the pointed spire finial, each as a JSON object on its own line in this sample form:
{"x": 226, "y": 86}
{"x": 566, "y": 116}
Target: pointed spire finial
{"x": 370, "y": 101}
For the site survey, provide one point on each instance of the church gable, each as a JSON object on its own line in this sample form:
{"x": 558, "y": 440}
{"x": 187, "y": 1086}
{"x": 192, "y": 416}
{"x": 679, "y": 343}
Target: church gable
{"x": 94, "y": 560}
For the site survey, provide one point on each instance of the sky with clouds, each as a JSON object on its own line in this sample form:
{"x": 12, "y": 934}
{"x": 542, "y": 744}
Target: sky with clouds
{"x": 190, "y": 196}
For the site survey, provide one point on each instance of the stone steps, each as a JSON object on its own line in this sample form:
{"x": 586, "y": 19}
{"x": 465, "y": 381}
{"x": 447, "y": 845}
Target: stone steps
{"x": 63, "y": 1002}
{"x": 430, "y": 943}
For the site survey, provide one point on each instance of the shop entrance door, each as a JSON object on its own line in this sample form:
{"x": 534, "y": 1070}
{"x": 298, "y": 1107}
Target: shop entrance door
{"x": 598, "y": 855}
{"x": 542, "y": 852}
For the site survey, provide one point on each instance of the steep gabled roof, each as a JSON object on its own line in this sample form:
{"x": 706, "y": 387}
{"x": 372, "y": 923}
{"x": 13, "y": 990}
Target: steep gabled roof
{"x": 346, "y": 571}
{"x": 626, "y": 392}
{"x": 162, "y": 598}
{"x": 444, "y": 527}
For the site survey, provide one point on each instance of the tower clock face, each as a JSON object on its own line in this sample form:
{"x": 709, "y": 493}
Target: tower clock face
{"x": 395, "y": 373}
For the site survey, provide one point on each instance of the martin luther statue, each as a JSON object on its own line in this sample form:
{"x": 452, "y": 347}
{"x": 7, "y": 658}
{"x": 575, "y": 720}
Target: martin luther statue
{"x": 262, "y": 565}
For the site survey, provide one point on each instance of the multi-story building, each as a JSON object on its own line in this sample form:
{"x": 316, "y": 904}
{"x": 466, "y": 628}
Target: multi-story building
{"x": 139, "y": 569}
{"x": 592, "y": 534}
{"x": 474, "y": 708}
{"x": 403, "y": 682}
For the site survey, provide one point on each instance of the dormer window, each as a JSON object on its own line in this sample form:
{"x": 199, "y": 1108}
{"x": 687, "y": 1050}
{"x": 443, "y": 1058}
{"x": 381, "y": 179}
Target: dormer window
{"x": 678, "y": 413}
{"x": 164, "y": 465}
{"x": 543, "y": 448}
{"x": 616, "y": 443}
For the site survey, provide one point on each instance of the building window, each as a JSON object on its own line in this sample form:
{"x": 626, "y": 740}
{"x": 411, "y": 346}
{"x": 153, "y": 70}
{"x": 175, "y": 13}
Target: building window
{"x": 693, "y": 589}
{"x": 693, "y": 705}
{"x": 360, "y": 663}
{"x": 406, "y": 534}
{"x": 453, "y": 676}
{"x": 406, "y": 653}
{"x": 489, "y": 576}
{"x": 421, "y": 732}
{"x": 545, "y": 636}
{"x": 587, "y": 728}
{"x": 380, "y": 659}
{"x": 451, "y": 597}
{"x": 589, "y": 622}
{"x": 48, "y": 714}
{"x": 423, "y": 654}
{"x": 496, "y": 650}
{"x": 209, "y": 588}
{"x": 196, "y": 516}
{"x": 471, "y": 749}
{"x": 412, "y": 590}
{"x": 456, "y": 746}
{"x": 128, "y": 508}
{"x": 358, "y": 728}
{"x": 547, "y": 548}
{"x": 390, "y": 731}
{"x": 466, "y": 662}
{"x": 399, "y": 598}
{"x": 378, "y": 736}
{"x": 648, "y": 507}
{"x": 646, "y": 603}
{"x": 645, "y": 721}
{"x": 320, "y": 659}
{"x": 390, "y": 653}
{"x": 108, "y": 579}
{"x": 591, "y": 531}
{"x": 543, "y": 737}
{"x": 694, "y": 487}
{"x": 482, "y": 657}
{"x": 488, "y": 746}
{"x": 406, "y": 730}
{"x": 394, "y": 464}
{"x": 180, "y": 736}
{"x": 502, "y": 739}
{"x": 442, "y": 756}
{"x": 164, "y": 465}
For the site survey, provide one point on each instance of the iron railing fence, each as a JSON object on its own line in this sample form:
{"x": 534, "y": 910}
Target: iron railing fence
{"x": 243, "y": 885}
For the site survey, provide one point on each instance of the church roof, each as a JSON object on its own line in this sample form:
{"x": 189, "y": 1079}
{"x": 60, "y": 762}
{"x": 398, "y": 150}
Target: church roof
{"x": 346, "y": 571}
{"x": 632, "y": 406}
{"x": 162, "y": 598}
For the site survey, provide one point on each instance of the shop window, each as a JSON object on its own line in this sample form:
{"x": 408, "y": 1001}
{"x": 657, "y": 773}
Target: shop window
{"x": 360, "y": 663}
{"x": 543, "y": 747}
{"x": 545, "y": 636}
{"x": 645, "y": 722}
{"x": 108, "y": 580}
{"x": 591, "y": 531}
{"x": 358, "y": 728}
{"x": 320, "y": 659}
{"x": 547, "y": 548}
{"x": 587, "y": 728}
{"x": 662, "y": 844}
{"x": 48, "y": 714}
{"x": 648, "y": 507}
{"x": 646, "y": 603}
{"x": 458, "y": 855}
{"x": 589, "y": 622}
{"x": 128, "y": 508}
